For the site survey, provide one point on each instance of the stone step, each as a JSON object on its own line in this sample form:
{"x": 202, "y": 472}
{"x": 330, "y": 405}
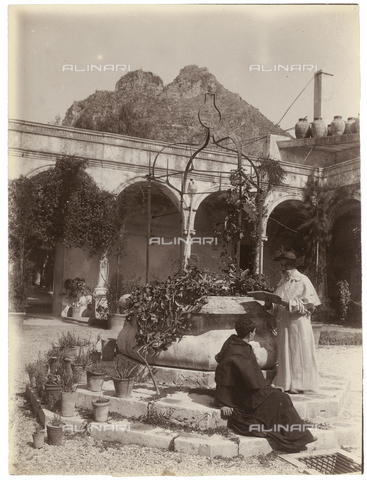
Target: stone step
{"x": 197, "y": 409}
{"x": 127, "y": 431}
{"x": 188, "y": 407}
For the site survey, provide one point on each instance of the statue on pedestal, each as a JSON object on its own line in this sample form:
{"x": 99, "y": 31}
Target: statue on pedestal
{"x": 99, "y": 293}
{"x": 102, "y": 276}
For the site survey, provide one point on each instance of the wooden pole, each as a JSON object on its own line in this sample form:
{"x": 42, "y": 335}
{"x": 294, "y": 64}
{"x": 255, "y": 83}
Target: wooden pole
{"x": 149, "y": 214}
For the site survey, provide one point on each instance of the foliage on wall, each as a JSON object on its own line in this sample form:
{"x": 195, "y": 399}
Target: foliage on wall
{"x": 246, "y": 196}
{"x": 318, "y": 201}
{"x": 344, "y": 298}
{"x": 62, "y": 204}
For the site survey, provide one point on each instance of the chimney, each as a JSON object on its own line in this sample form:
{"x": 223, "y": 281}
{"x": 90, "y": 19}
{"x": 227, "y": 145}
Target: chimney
{"x": 323, "y": 96}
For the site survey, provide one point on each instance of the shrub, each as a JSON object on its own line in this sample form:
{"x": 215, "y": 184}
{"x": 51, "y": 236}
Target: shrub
{"x": 125, "y": 368}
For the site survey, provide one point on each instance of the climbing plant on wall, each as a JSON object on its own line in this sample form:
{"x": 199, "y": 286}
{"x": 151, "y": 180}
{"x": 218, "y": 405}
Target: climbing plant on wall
{"x": 62, "y": 204}
{"x": 246, "y": 201}
{"x": 318, "y": 200}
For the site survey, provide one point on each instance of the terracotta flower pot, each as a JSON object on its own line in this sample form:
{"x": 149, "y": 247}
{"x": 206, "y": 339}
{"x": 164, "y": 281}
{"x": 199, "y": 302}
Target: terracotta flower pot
{"x": 55, "y": 434}
{"x": 75, "y": 311}
{"x": 95, "y": 381}
{"x": 116, "y": 322}
{"x": 39, "y": 439}
{"x": 123, "y": 387}
{"x": 101, "y": 411}
{"x": 108, "y": 349}
{"x": 53, "y": 396}
{"x": 68, "y": 400}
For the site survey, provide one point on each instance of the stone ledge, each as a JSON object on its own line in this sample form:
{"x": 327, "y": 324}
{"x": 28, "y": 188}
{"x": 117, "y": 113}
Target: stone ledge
{"x": 205, "y": 446}
{"x": 181, "y": 377}
{"x": 340, "y": 434}
{"x": 325, "y": 405}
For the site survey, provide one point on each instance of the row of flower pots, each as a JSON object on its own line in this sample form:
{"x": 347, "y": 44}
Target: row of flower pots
{"x": 66, "y": 366}
{"x": 56, "y": 427}
{"x": 67, "y": 401}
{"x": 57, "y": 399}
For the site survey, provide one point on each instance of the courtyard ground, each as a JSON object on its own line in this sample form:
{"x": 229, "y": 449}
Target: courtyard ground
{"x": 83, "y": 455}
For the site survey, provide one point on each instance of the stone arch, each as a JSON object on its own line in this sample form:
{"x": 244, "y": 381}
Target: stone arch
{"x": 335, "y": 211}
{"x": 276, "y": 198}
{"x": 281, "y": 231}
{"x": 38, "y": 170}
{"x": 210, "y": 213}
{"x": 166, "y": 189}
{"x": 165, "y": 227}
{"x": 343, "y": 252}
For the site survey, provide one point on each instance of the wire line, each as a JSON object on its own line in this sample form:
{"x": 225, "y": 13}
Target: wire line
{"x": 294, "y": 101}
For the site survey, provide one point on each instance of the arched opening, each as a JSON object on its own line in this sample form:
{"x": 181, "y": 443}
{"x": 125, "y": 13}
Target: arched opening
{"x": 283, "y": 233}
{"x": 131, "y": 252}
{"x": 210, "y": 218}
{"x": 344, "y": 252}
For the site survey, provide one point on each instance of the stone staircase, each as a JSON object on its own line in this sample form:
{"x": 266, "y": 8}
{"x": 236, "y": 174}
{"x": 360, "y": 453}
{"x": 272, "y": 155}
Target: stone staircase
{"x": 335, "y": 414}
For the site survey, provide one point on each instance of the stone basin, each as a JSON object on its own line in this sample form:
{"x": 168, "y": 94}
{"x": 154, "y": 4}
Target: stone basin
{"x": 211, "y": 328}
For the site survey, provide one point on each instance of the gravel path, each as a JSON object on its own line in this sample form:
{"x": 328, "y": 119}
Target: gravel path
{"x": 83, "y": 455}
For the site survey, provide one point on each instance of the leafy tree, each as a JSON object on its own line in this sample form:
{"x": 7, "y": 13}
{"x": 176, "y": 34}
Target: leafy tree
{"x": 318, "y": 199}
{"x": 248, "y": 193}
{"x": 63, "y": 204}
{"x": 163, "y": 310}
{"x": 22, "y": 240}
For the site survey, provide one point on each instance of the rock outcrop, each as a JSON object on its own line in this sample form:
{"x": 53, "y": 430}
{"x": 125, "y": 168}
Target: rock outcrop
{"x": 142, "y": 106}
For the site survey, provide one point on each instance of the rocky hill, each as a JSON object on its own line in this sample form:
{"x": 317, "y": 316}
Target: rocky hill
{"x": 141, "y": 106}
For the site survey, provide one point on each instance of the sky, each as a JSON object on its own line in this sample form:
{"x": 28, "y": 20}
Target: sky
{"x": 163, "y": 39}
{"x": 227, "y": 39}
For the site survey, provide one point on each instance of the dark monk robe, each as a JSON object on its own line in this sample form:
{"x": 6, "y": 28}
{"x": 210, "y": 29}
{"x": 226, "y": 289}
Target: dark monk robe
{"x": 258, "y": 409}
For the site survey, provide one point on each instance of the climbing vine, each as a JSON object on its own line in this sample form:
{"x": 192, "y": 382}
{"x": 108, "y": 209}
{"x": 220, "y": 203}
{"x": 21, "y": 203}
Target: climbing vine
{"x": 344, "y": 298}
{"x": 318, "y": 200}
{"x": 247, "y": 201}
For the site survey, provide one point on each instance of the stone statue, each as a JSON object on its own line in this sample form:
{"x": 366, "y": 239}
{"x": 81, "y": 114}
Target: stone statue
{"x": 103, "y": 272}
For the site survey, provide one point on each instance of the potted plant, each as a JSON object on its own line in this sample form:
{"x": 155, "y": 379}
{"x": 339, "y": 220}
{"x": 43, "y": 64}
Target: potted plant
{"x": 31, "y": 369}
{"x": 116, "y": 295}
{"x": 69, "y": 344}
{"x": 40, "y": 374}
{"x": 100, "y": 409}
{"x": 95, "y": 376}
{"x": 39, "y": 437}
{"x": 84, "y": 344}
{"x": 55, "y": 430}
{"x": 53, "y": 389}
{"x": 68, "y": 394}
{"x": 126, "y": 371}
{"x": 94, "y": 354}
{"x": 79, "y": 367}
{"x": 75, "y": 290}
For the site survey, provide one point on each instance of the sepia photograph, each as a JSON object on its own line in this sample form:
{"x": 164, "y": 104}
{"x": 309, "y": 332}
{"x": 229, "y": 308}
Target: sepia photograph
{"x": 184, "y": 240}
